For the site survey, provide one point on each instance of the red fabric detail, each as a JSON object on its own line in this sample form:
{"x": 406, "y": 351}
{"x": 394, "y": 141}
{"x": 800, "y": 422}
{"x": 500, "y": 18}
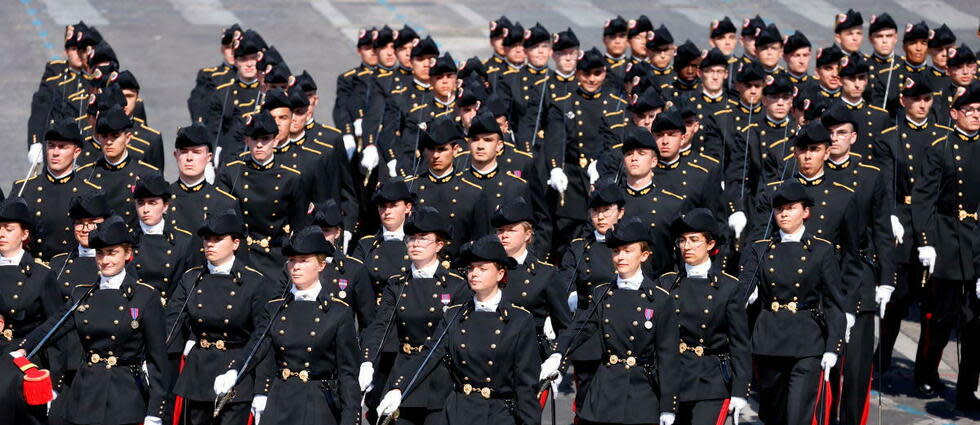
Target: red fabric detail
{"x": 179, "y": 401}
{"x": 867, "y": 398}
{"x": 543, "y": 400}
{"x": 723, "y": 414}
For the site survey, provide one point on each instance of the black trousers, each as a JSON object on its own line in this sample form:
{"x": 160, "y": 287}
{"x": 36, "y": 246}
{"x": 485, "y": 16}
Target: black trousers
{"x": 419, "y": 416}
{"x": 702, "y": 412}
{"x": 941, "y": 303}
{"x": 788, "y": 388}
{"x": 202, "y": 413}
{"x": 584, "y": 371}
{"x": 907, "y": 293}
{"x": 856, "y": 367}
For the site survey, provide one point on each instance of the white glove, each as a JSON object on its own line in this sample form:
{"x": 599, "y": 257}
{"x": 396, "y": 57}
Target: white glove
{"x": 347, "y": 237}
{"x": 573, "y": 299}
{"x": 737, "y": 222}
{"x": 224, "y": 382}
{"x": 258, "y": 406}
{"x": 16, "y": 354}
{"x": 667, "y": 418}
{"x": 550, "y": 367}
{"x": 927, "y": 256}
{"x": 209, "y": 173}
{"x": 978, "y": 288}
{"x": 349, "y": 145}
{"x": 217, "y": 156}
{"x": 358, "y": 131}
{"x": 393, "y": 168}
{"x": 593, "y": 172}
{"x": 390, "y": 402}
{"x": 54, "y": 396}
{"x": 34, "y": 154}
{"x": 152, "y": 420}
{"x": 365, "y": 376}
{"x": 369, "y": 158}
{"x": 753, "y": 296}
{"x": 827, "y": 362}
{"x": 850, "y": 319}
{"x": 549, "y": 330}
{"x": 883, "y": 293}
{"x": 897, "y": 230}
{"x": 187, "y": 347}
{"x": 735, "y": 406}
{"x": 558, "y": 180}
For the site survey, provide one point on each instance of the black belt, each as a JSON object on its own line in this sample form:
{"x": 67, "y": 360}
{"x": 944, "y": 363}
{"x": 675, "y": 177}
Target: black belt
{"x": 957, "y": 213}
{"x": 486, "y": 393}
{"x": 701, "y": 351}
{"x": 792, "y": 306}
{"x": 112, "y": 361}
{"x": 305, "y": 375}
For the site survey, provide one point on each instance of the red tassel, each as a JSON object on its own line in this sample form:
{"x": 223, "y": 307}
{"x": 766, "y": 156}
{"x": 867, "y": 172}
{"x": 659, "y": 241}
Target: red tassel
{"x": 543, "y": 400}
{"x": 37, "y": 382}
{"x": 178, "y": 400}
{"x": 723, "y": 414}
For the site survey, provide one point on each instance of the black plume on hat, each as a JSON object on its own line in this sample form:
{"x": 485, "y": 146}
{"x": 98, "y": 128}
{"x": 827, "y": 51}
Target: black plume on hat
{"x": 614, "y": 26}
{"x": 65, "y": 130}
{"x": 565, "y": 40}
{"x": 813, "y": 133}
{"x": 392, "y": 191}
{"x": 513, "y": 35}
{"x": 298, "y": 99}
{"x": 659, "y": 38}
{"x": 770, "y": 34}
{"x": 487, "y": 248}
{"x": 305, "y": 82}
{"x": 227, "y": 222}
{"x": 670, "y": 119}
{"x": 829, "y": 55}
{"x": 274, "y": 99}
{"x": 261, "y": 124}
{"x": 113, "y": 231}
{"x": 696, "y": 220}
{"x": 229, "y": 34}
{"x": 778, "y": 84}
{"x": 511, "y": 211}
{"x": 405, "y": 36}
{"x": 648, "y": 101}
{"x": 536, "y": 34}
{"x": 427, "y": 220}
{"x": 639, "y": 25}
{"x": 880, "y": 22}
{"x": 89, "y": 205}
{"x": 127, "y": 81}
{"x": 919, "y": 31}
{"x": 848, "y": 20}
{"x": 837, "y": 114}
{"x": 590, "y": 59}
{"x": 713, "y": 57}
{"x": 472, "y": 68}
{"x": 443, "y": 65}
{"x": 635, "y": 137}
{"x": 606, "y": 192}
{"x": 686, "y": 53}
{"x": 483, "y": 123}
{"x": 424, "y": 47}
{"x": 442, "y": 131}
{"x": 795, "y": 42}
{"x": 112, "y": 120}
{"x": 748, "y": 72}
{"x": 497, "y": 27}
{"x": 791, "y": 191}
{"x": 152, "y": 185}
{"x": 382, "y": 37}
{"x": 722, "y": 27}
{"x": 915, "y": 85}
{"x": 15, "y": 209}
{"x": 308, "y": 241}
{"x": 193, "y": 135}
{"x": 628, "y": 231}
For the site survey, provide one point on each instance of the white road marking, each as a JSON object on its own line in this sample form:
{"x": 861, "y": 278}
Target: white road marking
{"x": 941, "y": 12}
{"x": 204, "y": 12}
{"x": 67, "y": 12}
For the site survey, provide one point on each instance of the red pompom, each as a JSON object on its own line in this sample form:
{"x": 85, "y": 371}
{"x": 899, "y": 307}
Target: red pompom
{"x": 37, "y": 382}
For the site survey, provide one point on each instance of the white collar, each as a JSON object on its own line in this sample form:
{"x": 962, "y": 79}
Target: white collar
{"x": 112, "y": 282}
{"x": 65, "y": 174}
{"x": 599, "y": 237}
{"x": 264, "y": 163}
{"x": 249, "y": 82}
{"x": 483, "y": 173}
{"x": 521, "y": 257}
{"x": 917, "y": 124}
{"x": 309, "y": 121}
{"x": 306, "y": 294}
{"x": 156, "y": 229}
{"x": 640, "y": 188}
{"x": 515, "y": 66}
{"x": 439, "y": 176}
{"x": 632, "y": 283}
{"x": 85, "y": 252}
{"x": 422, "y": 84}
{"x": 564, "y": 75}
{"x": 791, "y": 237}
{"x": 488, "y": 305}
{"x": 858, "y": 103}
{"x": 14, "y": 260}
{"x": 125, "y": 156}
{"x": 195, "y": 183}
{"x": 673, "y": 161}
{"x": 963, "y": 132}
{"x": 846, "y": 157}
{"x": 392, "y": 235}
{"x": 221, "y": 268}
{"x": 775, "y": 121}
{"x": 615, "y": 58}
{"x": 446, "y": 103}
{"x": 699, "y": 271}
{"x": 426, "y": 272}
{"x": 713, "y": 96}
{"x": 297, "y": 138}
{"x": 810, "y": 179}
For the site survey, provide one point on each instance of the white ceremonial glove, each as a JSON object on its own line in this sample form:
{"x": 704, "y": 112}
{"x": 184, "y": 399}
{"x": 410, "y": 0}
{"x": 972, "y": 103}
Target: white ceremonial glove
{"x": 358, "y": 130}
{"x": 667, "y": 418}
{"x": 258, "y": 406}
{"x": 393, "y": 168}
{"x": 978, "y": 288}
{"x": 365, "y": 376}
{"x": 390, "y": 402}
{"x": 850, "y": 319}
{"x": 16, "y": 354}
{"x": 347, "y": 237}
{"x": 550, "y": 367}
{"x": 34, "y": 154}
{"x": 737, "y": 222}
{"x": 593, "y": 172}
{"x": 224, "y": 382}
{"x": 370, "y": 158}
{"x": 549, "y": 330}
{"x": 209, "y": 173}
{"x": 573, "y": 300}
{"x": 217, "y": 157}
{"x": 558, "y": 180}
{"x": 54, "y": 396}
{"x": 349, "y": 145}
{"x": 898, "y": 231}
{"x": 753, "y": 296}
{"x": 927, "y": 256}
{"x": 187, "y": 346}
{"x": 152, "y": 420}
{"x": 883, "y": 294}
{"x": 735, "y": 406}
{"x": 827, "y": 362}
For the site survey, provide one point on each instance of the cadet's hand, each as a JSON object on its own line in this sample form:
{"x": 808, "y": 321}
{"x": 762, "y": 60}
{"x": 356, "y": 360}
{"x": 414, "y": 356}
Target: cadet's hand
{"x": 927, "y": 256}
{"x": 667, "y": 418}
{"x": 390, "y": 403}
{"x": 850, "y": 318}
{"x": 152, "y": 420}
{"x": 753, "y": 296}
{"x": 209, "y": 173}
{"x": 573, "y": 300}
{"x": 370, "y": 158}
{"x": 593, "y": 172}
{"x": 558, "y": 180}
{"x": 34, "y": 154}
{"x": 737, "y": 222}
{"x": 365, "y": 376}
{"x": 358, "y": 131}
{"x": 349, "y": 145}
{"x": 549, "y": 329}
{"x": 224, "y": 382}
{"x": 827, "y": 362}
{"x": 883, "y": 294}
{"x": 18, "y": 354}
{"x": 258, "y": 406}
{"x": 898, "y": 231}
{"x": 188, "y": 345}
{"x": 549, "y": 368}
{"x": 735, "y": 406}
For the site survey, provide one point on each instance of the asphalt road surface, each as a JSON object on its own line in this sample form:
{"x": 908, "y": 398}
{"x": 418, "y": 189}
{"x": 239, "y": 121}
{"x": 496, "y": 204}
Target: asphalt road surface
{"x": 164, "y": 42}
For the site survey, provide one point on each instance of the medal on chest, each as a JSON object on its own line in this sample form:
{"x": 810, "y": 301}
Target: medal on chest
{"x": 445, "y": 299}
{"x": 134, "y": 313}
{"x": 342, "y": 283}
{"x": 648, "y": 314}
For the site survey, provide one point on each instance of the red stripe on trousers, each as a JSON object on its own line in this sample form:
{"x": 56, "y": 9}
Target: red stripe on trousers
{"x": 179, "y": 401}
{"x": 867, "y": 398}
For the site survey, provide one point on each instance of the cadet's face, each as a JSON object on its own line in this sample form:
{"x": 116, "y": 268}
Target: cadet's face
{"x": 798, "y": 61}
{"x": 150, "y": 210}
{"x": 284, "y": 117}
{"x": 639, "y": 162}
{"x": 386, "y": 55}
{"x": 192, "y": 160}
{"x": 713, "y": 77}
{"x": 247, "y": 66}
{"x": 404, "y": 55}
{"x": 842, "y": 136}
{"x": 789, "y": 217}
{"x": 810, "y": 159}
{"x": 769, "y": 54}
{"x": 689, "y": 72}
{"x": 915, "y": 51}
{"x": 484, "y": 276}
{"x": 967, "y": 117}
{"x": 444, "y": 85}
{"x": 726, "y": 43}
{"x": 854, "y": 85}
{"x": 605, "y": 217}
{"x": 484, "y": 147}
{"x": 539, "y": 54}
{"x": 218, "y": 249}
{"x": 12, "y": 237}
{"x": 84, "y": 226}
{"x": 502, "y": 122}
{"x": 883, "y": 42}
{"x": 917, "y": 107}
{"x": 615, "y": 44}
{"x": 691, "y": 127}
{"x": 421, "y": 66}
{"x": 829, "y": 77}
{"x": 368, "y": 55}
{"x": 131, "y": 96}
{"x": 228, "y": 53}
{"x": 750, "y": 92}
{"x": 73, "y": 57}
{"x": 515, "y": 54}
{"x": 566, "y": 59}
{"x": 669, "y": 143}
{"x": 114, "y": 144}
{"x": 61, "y": 155}
{"x": 304, "y": 270}
{"x": 497, "y": 43}
{"x": 393, "y": 214}
{"x": 638, "y": 45}
{"x": 748, "y": 43}
{"x": 466, "y": 114}
{"x": 939, "y": 56}
{"x": 261, "y": 148}
{"x": 629, "y": 257}
{"x": 778, "y": 106}
{"x": 298, "y": 121}
{"x": 111, "y": 260}
{"x": 331, "y": 234}
{"x": 694, "y": 247}
{"x": 850, "y": 39}
{"x": 646, "y": 119}
{"x": 423, "y": 247}
{"x": 440, "y": 157}
{"x": 661, "y": 56}
{"x": 964, "y": 74}
{"x": 514, "y": 237}
{"x": 591, "y": 80}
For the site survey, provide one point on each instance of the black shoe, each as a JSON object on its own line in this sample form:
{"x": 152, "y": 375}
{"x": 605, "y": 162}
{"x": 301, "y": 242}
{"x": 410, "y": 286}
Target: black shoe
{"x": 968, "y": 403}
{"x": 928, "y": 390}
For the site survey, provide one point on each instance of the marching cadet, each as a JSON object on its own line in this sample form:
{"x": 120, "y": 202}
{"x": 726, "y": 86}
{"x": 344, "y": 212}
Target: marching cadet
{"x": 221, "y": 303}
{"x": 484, "y": 169}
{"x": 721, "y": 36}
{"x": 384, "y": 252}
{"x": 645, "y": 108}
{"x": 849, "y": 32}
{"x": 940, "y": 41}
{"x": 639, "y": 350}
{"x": 270, "y": 195}
{"x": 615, "y": 40}
{"x": 561, "y": 81}
{"x": 799, "y": 332}
{"x": 495, "y": 64}
{"x": 193, "y": 196}
{"x": 660, "y": 54}
{"x": 346, "y": 277}
{"x": 523, "y": 89}
{"x": 694, "y": 176}
{"x": 746, "y": 109}
{"x": 942, "y": 198}
{"x": 240, "y": 95}
{"x": 827, "y": 74}
{"x": 751, "y": 27}
{"x": 871, "y": 281}
{"x": 961, "y": 66}
{"x": 163, "y": 251}
{"x": 411, "y": 306}
{"x": 120, "y": 323}
{"x": 150, "y": 139}
{"x": 348, "y": 106}
{"x": 714, "y": 351}
{"x": 294, "y": 383}
{"x": 403, "y": 43}
{"x": 887, "y": 85}
{"x": 883, "y": 35}
{"x": 796, "y": 54}
{"x": 49, "y": 194}
{"x": 768, "y": 49}
{"x": 636, "y": 35}
{"x": 99, "y": 104}
{"x": 211, "y": 77}
{"x": 869, "y": 120}
{"x": 116, "y": 171}
{"x": 686, "y": 61}
{"x": 490, "y": 346}
{"x": 713, "y": 74}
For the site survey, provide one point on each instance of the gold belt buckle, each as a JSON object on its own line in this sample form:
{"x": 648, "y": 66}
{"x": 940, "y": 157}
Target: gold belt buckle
{"x": 205, "y": 343}
{"x": 485, "y": 392}
{"x": 304, "y": 375}
{"x": 407, "y": 348}
{"x": 791, "y": 306}
{"x": 683, "y": 347}
{"x": 774, "y": 306}
{"x": 95, "y": 358}
{"x": 613, "y": 359}
{"x": 908, "y": 200}
{"x": 467, "y": 389}
{"x": 110, "y": 362}
{"x": 699, "y": 351}
{"x": 286, "y": 373}
{"x": 220, "y": 344}
{"x": 8, "y": 334}
{"x": 631, "y": 361}
{"x": 965, "y": 215}
{"x": 583, "y": 162}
